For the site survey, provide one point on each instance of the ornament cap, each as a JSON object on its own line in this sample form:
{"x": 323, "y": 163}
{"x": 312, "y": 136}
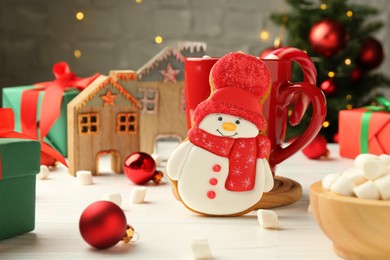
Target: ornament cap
{"x": 157, "y": 176}
{"x": 129, "y": 234}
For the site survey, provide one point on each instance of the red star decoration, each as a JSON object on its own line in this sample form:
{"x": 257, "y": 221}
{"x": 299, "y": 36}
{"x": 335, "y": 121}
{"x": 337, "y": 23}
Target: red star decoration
{"x": 169, "y": 73}
{"x": 109, "y": 99}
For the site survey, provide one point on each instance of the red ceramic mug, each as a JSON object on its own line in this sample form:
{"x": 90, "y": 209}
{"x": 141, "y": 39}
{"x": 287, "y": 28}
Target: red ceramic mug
{"x": 196, "y": 81}
{"x": 275, "y": 107}
{"x": 275, "y": 110}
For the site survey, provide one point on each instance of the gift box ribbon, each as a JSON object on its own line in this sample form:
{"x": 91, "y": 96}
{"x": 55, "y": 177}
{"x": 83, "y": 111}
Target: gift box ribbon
{"x": 366, "y": 121}
{"x": 7, "y": 131}
{"x": 51, "y": 103}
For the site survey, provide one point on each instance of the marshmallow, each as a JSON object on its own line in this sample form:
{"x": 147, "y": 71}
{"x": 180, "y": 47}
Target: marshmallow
{"x": 138, "y": 195}
{"x": 373, "y": 168}
{"x": 200, "y": 249}
{"x": 113, "y": 197}
{"x": 44, "y": 173}
{"x": 84, "y": 177}
{"x": 157, "y": 158}
{"x": 343, "y": 186}
{"x": 385, "y": 158}
{"x": 356, "y": 175}
{"x": 368, "y": 179}
{"x": 367, "y": 190}
{"x": 383, "y": 185}
{"x": 361, "y": 158}
{"x": 328, "y": 180}
{"x": 267, "y": 219}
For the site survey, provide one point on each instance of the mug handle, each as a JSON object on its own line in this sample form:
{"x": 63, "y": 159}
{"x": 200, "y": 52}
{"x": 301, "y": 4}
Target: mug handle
{"x": 317, "y": 98}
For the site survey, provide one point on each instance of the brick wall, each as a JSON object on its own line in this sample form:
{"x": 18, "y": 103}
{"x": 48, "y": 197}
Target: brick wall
{"x": 119, "y": 34}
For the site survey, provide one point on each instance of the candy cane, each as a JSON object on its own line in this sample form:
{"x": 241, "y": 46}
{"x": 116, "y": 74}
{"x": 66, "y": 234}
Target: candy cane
{"x": 300, "y": 57}
{"x": 309, "y": 75}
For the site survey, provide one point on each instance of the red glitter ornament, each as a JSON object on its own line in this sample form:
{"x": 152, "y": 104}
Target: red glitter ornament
{"x": 140, "y": 168}
{"x": 316, "y": 148}
{"x": 328, "y": 87}
{"x": 103, "y": 224}
{"x": 371, "y": 54}
{"x": 328, "y": 37}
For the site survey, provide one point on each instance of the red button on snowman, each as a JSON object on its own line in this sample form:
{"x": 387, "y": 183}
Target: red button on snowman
{"x": 222, "y": 169}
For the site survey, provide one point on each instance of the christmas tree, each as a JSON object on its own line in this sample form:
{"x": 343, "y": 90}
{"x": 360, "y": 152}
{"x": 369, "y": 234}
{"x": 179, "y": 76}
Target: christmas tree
{"x": 338, "y": 38}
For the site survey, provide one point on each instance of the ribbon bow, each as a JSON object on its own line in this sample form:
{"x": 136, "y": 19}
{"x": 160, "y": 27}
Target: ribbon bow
{"x": 385, "y": 106}
{"x": 51, "y": 103}
{"x": 7, "y": 131}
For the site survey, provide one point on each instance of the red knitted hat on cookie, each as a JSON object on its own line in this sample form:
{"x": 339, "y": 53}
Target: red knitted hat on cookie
{"x": 239, "y": 81}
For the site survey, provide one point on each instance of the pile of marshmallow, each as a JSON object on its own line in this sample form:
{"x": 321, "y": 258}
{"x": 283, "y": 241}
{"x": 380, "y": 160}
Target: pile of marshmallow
{"x": 368, "y": 179}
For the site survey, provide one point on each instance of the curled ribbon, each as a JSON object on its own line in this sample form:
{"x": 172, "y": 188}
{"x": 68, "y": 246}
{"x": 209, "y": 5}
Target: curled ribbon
{"x": 51, "y": 103}
{"x": 7, "y": 131}
{"x": 385, "y": 106}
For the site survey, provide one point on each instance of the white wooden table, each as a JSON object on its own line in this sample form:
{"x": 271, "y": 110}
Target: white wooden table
{"x": 166, "y": 227}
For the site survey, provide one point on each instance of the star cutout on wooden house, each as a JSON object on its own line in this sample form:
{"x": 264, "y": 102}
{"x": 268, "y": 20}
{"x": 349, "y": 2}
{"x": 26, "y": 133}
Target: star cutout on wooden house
{"x": 108, "y": 98}
{"x": 169, "y": 73}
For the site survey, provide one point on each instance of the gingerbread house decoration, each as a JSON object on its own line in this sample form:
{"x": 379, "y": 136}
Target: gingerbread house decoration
{"x": 103, "y": 118}
{"x": 160, "y": 91}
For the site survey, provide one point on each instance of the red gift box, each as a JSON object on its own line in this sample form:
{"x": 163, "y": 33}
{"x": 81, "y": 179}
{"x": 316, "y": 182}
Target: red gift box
{"x": 364, "y": 130}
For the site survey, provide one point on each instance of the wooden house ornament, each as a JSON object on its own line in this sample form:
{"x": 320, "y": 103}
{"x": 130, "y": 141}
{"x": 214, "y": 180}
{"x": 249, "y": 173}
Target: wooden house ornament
{"x": 160, "y": 91}
{"x": 103, "y": 118}
{"x": 129, "y": 111}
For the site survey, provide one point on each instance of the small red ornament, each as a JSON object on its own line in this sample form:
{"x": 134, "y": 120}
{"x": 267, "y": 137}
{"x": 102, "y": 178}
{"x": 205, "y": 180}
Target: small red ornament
{"x": 328, "y": 37}
{"x": 371, "y": 54}
{"x": 316, "y": 148}
{"x": 103, "y": 224}
{"x": 140, "y": 168}
{"x": 48, "y": 160}
{"x": 328, "y": 87}
{"x": 336, "y": 138}
{"x": 356, "y": 74}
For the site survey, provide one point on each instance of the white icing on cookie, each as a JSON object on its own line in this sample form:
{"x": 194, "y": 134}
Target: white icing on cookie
{"x": 202, "y": 175}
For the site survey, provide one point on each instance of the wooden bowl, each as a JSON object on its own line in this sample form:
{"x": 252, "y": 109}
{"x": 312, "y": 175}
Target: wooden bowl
{"x": 358, "y": 228}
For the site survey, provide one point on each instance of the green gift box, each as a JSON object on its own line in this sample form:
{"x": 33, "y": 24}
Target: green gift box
{"x": 57, "y": 136}
{"x": 19, "y": 164}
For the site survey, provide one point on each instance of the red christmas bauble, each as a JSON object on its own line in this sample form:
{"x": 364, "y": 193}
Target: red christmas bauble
{"x": 371, "y": 54}
{"x": 316, "y": 148}
{"x": 336, "y": 138}
{"x": 328, "y": 87}
{"x": 48, "y": 160}
{"x": 103, "y": 224}
{"x": 356, "y": 74}
{"x": 140, "y": 168}
{"x": 328, "y": 37}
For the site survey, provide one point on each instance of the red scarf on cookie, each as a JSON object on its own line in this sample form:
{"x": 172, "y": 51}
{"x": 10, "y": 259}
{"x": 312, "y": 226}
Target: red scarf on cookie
{"x": 241, "y": 152}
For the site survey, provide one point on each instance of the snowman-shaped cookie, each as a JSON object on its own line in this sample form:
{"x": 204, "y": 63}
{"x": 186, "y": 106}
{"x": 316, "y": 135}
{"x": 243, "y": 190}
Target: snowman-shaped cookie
{"x": 222, "y": 169}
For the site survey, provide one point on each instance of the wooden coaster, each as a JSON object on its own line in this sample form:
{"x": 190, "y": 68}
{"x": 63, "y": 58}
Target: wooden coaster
{"x": 285, "y": 192}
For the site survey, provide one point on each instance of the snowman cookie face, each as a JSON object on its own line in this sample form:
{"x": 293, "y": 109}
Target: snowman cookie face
{"x": 228, "y": 126}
